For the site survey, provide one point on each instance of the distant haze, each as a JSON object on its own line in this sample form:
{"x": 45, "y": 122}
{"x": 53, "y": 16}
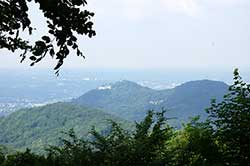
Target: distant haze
{"x": 158, "y": 35}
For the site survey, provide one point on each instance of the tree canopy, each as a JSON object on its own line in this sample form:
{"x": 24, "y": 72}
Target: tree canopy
{"x": 65, "y": 19}
{"x": 230, "y": 120}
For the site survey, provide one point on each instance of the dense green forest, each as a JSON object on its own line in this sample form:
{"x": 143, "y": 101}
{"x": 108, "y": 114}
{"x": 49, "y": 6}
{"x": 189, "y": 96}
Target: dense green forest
{"x": 223, "y": 139}
{"x": 131, "y": 101}
{"x": 40, "y": 126}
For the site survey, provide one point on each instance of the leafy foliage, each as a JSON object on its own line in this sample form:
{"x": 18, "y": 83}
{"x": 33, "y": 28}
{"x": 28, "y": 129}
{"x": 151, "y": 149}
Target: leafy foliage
{"x": 194, "y": 145}
{"x": 118, "y": 147}
{"x": 24, "y": 158}
{"x": 64, "y": 19}
{"x": 231, "y": 121}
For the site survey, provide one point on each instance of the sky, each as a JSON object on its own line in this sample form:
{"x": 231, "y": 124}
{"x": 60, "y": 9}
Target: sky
{"x": 157, "y": 34}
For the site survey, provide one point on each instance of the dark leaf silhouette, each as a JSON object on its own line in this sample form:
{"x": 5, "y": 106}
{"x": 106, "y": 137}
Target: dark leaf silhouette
{"x": 64, "y": 19}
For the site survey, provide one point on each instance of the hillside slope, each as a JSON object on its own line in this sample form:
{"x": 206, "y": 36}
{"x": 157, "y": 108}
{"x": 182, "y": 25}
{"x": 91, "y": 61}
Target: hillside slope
{"x": 125, "y": 99}
{"x": 192, "y": 98}
{"x": 131, "y": 101}
{"x": 37, "y": 127}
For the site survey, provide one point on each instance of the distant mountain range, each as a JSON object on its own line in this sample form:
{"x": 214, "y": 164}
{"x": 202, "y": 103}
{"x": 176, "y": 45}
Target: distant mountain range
{"x": 131, "y": 101}
{"x": 124, "y": 102}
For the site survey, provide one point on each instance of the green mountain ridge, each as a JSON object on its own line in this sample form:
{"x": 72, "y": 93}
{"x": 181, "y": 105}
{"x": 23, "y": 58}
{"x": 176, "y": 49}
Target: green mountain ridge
{"x": 41, "y": 126}
{"x": 129, "y": 100}
{"x": 124, "y": 99}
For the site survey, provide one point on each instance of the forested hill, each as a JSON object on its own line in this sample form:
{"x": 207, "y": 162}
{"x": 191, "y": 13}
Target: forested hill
{"x": 124, "y": 98}
{"x": 131, "y": 101}
{"x": 36, "y": 127}
{"x": 40, "y": 126}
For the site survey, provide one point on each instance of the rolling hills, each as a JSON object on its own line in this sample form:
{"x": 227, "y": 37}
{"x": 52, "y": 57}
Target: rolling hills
{"x": 129, "y": 100}
{"x": 39, "y": 126}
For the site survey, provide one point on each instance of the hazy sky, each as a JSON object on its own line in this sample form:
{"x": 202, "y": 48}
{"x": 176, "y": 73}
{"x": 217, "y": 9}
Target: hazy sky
{"x": 159, "y": 34}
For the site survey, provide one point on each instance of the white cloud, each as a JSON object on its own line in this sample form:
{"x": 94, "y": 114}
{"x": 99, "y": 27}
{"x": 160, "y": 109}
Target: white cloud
{"x": 188, "y": 7}
{"x": 224, "y": 2}
{"x": 134, "y": 9}
{"x": 140, "y": 9}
